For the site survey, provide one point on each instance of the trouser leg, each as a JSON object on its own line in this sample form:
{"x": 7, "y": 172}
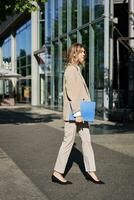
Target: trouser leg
{"x": 66, "y": 147}
{"x": 88, "y": 154}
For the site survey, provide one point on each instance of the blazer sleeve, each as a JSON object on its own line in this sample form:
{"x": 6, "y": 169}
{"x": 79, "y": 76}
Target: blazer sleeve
{"x": 72, "y": 88}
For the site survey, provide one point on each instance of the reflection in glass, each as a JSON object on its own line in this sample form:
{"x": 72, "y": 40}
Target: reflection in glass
{"x": 23, "y": 61}
{"x": 6, "y": 47}
{"x": 23, "y": 39}
{"x": 85, "y": 42}
{"x": 74, "y": 14}
{"x": 6, "y": 86}
{"x": 56, "y": 73}
{"x": 64, "y": 16}
{"x": 56, "y": 19}
{"x": 73, "y": 38}
{"x": 64, "y": 52}
{"x": 97, "y": 8}
{"x": 47, "y": 21}
{"x": 23, "y": 71}
{"x": 85, "y": 11}
{"x": 64, "y": 61}
{"x": 23, "y": 48}
{"x": 99, "y": 66}
{"x": 99, "y": 55}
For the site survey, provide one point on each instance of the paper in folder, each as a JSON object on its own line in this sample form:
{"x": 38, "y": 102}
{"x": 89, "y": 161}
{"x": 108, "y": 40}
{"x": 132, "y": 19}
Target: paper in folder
{"x": 87, "y": 109}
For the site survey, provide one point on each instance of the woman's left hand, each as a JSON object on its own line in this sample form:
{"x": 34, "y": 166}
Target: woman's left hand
{"x": 79, "y": 119}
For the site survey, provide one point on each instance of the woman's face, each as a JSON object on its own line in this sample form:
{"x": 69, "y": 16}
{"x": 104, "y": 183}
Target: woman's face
{"x": 81, "y": 56}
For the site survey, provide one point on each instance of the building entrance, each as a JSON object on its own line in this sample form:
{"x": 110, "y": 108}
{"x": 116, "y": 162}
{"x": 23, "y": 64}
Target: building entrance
{"x": 123, "y": 73}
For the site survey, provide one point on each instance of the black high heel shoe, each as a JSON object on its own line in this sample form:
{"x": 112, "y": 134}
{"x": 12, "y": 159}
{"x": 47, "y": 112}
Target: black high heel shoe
{"x": 89, "y": 178}
{"x": 56, "y": 180}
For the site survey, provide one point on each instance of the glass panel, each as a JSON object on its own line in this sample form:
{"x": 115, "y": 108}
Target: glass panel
{"x": 23, "y": 71}
{"x": 42, "y": 24}
{"x": 99, "y": 55}
{"x": 99, "y": 64}
{"x": 7, "y": 53}
{"x": 24, "y": 91}
{"x": 48, "y": 76}
{"x": 64, "y": 52}
{"x": 85, "y": 42}
{"x": 28, "y": 59}
{"x": 23, "y": 47}
{"x": 56, "y": 19}
{"x": 28, "y": 70}
{"x": 64, "y": 16}
{"x": 97, "y": 8}
{"x": 85, "y": 11}
{"x": 23, "y": 40}
{"x": 64, "y": 61}
{"x": 28, "y": 37}
{"x": 73, "y": 38}
{"x": 74, "y": 14}
{"x": 56, "y": 73}
{"x": 23, "y": 61}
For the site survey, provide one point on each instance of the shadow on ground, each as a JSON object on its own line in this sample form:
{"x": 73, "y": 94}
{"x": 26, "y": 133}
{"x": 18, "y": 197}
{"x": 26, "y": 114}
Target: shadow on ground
{"x": 120, "y": 128}
{"x": 24, "y": 115}
{"x": 75, "y": 157}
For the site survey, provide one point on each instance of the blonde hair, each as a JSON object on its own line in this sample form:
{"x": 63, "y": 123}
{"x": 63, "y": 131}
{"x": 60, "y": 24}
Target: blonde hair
{"x": 73, "y": 51}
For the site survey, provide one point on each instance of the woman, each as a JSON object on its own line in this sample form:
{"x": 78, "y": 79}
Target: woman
{"x": 75, "y": 90}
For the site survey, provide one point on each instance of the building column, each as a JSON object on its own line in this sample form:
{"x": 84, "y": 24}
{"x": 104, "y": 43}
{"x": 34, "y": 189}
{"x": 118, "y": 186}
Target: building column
{"x": 13, "y": 52}
{"x": 13, "y": 56}
{"x": 131, "y": 22}
{"x": 106, "y": 60}
{"x": 34, "y": 64}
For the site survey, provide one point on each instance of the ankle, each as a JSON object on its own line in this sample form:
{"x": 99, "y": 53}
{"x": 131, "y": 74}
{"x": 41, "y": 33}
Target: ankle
{"x": 57, "y": 173}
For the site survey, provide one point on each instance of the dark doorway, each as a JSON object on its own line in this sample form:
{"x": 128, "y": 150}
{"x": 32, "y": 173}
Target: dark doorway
{"x": 120, "y": 69}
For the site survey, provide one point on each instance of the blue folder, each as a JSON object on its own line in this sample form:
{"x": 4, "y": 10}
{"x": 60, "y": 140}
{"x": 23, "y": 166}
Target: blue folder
{"x": 87, "y": 109}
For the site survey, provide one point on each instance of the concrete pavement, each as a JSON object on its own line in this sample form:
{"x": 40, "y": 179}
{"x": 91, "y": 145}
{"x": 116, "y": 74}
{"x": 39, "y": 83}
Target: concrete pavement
{"x": 29, "y": 142}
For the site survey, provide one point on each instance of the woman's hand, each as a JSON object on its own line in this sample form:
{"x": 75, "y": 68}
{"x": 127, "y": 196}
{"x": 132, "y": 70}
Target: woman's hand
{"x": 79, "y": 119}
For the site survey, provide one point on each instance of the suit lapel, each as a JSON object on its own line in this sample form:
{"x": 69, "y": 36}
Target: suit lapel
{"x": 85, "y": 85}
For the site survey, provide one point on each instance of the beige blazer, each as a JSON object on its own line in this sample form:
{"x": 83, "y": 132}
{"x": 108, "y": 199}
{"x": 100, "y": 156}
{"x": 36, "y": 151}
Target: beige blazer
{"x": 74, "y": 90}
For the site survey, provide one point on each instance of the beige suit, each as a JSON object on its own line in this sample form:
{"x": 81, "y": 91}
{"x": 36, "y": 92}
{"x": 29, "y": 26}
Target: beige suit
{"x": 74, "y": 90}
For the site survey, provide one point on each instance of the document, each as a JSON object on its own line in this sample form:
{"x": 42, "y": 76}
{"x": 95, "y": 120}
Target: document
{"x": 87, "y": 109}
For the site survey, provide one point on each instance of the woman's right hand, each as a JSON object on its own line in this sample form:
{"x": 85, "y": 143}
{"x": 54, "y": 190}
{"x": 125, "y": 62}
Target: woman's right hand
{"x": 79, "y": 119}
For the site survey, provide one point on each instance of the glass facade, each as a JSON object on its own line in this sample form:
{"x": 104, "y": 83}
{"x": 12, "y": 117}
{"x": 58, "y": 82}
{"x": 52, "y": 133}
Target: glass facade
{"x": 7, "y": 53}
{"x": 60, "y": 24}
{"x": 6, "y": 87}
{"x": 68, "y": 22}
{"x": 23, "y": 53}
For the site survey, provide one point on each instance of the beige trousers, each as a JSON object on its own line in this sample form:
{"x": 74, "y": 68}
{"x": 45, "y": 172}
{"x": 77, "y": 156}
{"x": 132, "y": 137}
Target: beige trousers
{"x": 70, "y": 129}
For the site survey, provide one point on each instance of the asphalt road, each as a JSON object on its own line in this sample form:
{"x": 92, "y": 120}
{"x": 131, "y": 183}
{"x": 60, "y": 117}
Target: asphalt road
{"x": 33, "y": 148}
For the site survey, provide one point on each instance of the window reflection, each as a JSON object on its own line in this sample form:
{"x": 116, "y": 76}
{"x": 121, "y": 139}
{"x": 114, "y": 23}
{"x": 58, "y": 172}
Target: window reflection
{"x": 56, "y": 19}
{"x": 99, "y": 55}
{"x": 97, "y": 8}
{"x": 85, "y": 42}
{"x": 65, "y": 11}
{"x": 99, "y": 66}
{"x": 7, "y": 53}
{"x": 73, "y": 38}
{"x": 74, "y": 14}
{"x": 56, "y": 73}
{"x": 85, "y": 11}
{"x": 23, "y": 47}
{"x": 64, "y": 16}
{"x": 47, "y": 21}
{"x": 6, "y": 86}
